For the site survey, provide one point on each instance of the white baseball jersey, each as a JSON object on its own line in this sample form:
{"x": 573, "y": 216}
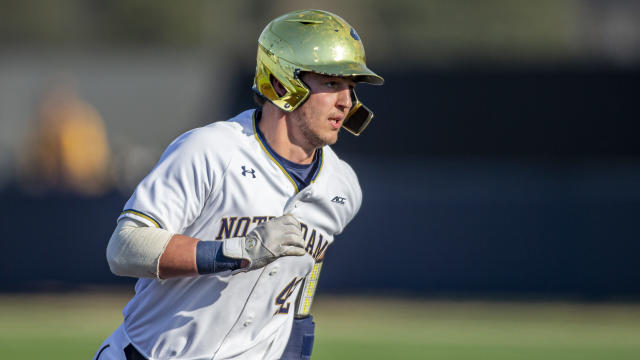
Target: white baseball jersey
{"x": 217, "y": 182}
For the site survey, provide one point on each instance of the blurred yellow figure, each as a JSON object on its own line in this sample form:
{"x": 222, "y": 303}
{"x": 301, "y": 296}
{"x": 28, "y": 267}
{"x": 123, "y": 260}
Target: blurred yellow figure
{"x": 69, "y": 149}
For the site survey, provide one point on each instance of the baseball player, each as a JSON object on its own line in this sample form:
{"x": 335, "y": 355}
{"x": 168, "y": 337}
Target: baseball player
{"x": 227, "y": 233}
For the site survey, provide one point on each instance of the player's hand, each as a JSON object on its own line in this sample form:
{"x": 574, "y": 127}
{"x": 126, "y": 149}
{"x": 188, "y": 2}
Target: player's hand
{"x": 268, "y": 241}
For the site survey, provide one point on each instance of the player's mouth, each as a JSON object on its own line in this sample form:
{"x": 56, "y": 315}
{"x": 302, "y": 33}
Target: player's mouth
{"x": 336, "y": 122}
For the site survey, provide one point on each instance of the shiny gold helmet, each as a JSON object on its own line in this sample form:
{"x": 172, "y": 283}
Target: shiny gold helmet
{"x": 315, "y": 41}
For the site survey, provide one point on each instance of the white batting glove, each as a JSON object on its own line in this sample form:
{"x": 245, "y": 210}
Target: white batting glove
{"x": 268, "y": 241}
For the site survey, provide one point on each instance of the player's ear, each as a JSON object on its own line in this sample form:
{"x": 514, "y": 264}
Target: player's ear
{"x": 277, "y": 86}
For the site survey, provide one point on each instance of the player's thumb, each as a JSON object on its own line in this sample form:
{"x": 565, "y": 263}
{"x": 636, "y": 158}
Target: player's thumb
{"x": 293, "y": 250}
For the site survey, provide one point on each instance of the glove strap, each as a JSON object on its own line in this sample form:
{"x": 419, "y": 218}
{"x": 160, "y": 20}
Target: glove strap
{"x": 210, "y": 258}
{"x": 232, "y": 247}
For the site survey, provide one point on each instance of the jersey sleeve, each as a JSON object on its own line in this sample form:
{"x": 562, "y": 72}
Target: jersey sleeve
{"x": 346, "y": 185}
{"x": 354, "y": 189}
{"x": 174, "y": 193}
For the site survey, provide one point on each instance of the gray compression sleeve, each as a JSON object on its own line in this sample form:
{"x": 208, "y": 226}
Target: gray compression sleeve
{"x": 135, "y": 249}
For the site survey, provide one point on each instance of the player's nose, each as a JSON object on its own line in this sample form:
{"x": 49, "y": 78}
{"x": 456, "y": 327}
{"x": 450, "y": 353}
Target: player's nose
{"x": 344, "y": 99}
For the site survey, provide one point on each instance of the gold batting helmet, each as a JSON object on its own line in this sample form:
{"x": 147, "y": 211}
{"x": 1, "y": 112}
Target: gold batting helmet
{"x": 315, "y": 41}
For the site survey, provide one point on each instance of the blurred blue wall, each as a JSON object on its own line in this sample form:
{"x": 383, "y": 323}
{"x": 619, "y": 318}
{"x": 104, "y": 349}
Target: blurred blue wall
{"x": 476, "y": 182}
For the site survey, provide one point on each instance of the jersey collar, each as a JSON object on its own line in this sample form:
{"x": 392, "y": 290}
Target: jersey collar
{"x": 267, "y": 149}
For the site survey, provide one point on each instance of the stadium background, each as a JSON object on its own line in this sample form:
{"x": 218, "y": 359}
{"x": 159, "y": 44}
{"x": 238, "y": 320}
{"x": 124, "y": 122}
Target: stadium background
{"x": 500, "y": 174}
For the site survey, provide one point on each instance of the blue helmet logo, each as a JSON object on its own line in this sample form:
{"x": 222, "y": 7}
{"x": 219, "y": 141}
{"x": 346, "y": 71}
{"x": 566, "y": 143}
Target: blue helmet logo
{"x": 354, "y": 34}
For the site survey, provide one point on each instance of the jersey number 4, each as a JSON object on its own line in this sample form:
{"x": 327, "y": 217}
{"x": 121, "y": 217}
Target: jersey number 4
{"x": 284, "y": 295}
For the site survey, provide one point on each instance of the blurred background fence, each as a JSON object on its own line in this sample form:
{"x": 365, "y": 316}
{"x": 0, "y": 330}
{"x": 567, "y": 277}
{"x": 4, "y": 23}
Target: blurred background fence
{"x": 503, "y": 159}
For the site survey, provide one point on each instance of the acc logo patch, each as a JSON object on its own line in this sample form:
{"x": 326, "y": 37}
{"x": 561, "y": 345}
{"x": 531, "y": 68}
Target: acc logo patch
{"x": 338, "y": 200}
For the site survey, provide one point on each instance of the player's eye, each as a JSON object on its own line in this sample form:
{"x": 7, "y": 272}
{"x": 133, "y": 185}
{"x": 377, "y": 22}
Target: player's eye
{"x": 331, "y": 84}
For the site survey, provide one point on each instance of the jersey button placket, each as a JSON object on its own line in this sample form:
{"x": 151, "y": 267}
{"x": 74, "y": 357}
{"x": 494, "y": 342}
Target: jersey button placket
{"x": 303, "y": 196}
{"x": 247, "y": 321}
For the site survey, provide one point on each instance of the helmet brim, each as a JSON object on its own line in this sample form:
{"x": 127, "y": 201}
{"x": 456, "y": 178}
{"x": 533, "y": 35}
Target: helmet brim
{"x": 359, "y": 72}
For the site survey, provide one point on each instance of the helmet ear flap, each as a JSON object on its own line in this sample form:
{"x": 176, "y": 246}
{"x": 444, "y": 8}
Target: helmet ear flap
{"x": 275, "y": 83}
{"x": 268, "y": 90}
{"x": 271, "y": 67}
{"x": 262, "y": 82}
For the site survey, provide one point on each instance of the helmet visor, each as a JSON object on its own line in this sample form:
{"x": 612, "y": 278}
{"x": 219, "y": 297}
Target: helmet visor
{"x": 358, "y": 71}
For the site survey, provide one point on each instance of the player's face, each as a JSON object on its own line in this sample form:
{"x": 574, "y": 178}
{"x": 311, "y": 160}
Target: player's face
{"x": 320, "y": 117}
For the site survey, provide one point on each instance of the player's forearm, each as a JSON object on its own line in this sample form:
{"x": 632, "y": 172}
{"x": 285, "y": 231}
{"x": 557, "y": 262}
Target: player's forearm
{"x": 140, "y": 251}
{"x": 187, "y": 256}
{"x": 178, "y": 258}
{"x": 137, "y": 250}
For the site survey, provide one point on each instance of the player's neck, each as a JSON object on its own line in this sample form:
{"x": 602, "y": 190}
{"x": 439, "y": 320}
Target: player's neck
{"x": 283, "y": 138}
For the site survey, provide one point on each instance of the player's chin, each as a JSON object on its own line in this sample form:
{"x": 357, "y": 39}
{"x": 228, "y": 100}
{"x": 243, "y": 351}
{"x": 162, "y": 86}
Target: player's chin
{"x": 331, "y": 138}
{"x": 328, "y": 136}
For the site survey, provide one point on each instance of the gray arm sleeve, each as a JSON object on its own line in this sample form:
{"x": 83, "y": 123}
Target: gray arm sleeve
{"x": 134, "y": 249}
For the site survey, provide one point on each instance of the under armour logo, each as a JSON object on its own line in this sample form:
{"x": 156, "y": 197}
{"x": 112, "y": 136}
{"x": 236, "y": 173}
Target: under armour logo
{"x": 245, "y": 172}
{"x": 339, "y": 200}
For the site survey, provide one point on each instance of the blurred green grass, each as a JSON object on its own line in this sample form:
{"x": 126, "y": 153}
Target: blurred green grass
{"x": 72, "y": 326}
